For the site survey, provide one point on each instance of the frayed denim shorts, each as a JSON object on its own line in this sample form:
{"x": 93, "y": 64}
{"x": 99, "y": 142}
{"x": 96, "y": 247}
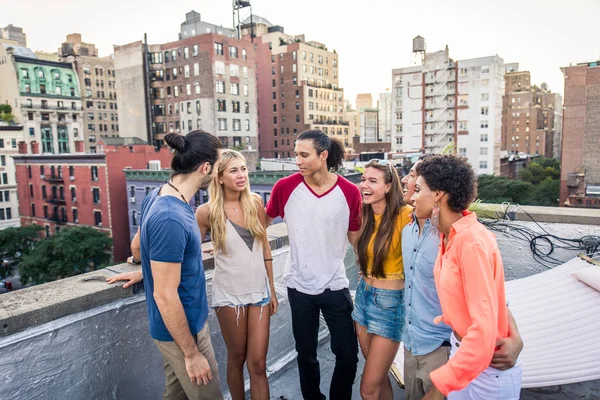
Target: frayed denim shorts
{"x": 381, "y": 311}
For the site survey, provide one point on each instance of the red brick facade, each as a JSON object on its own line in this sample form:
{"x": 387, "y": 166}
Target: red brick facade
{"x": 581, "y": 135}
{"x": 82, "y": 189}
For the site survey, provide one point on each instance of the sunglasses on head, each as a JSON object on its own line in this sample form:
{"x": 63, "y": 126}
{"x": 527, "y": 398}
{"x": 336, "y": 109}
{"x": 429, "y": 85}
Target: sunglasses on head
{"x": 382, "y": 162}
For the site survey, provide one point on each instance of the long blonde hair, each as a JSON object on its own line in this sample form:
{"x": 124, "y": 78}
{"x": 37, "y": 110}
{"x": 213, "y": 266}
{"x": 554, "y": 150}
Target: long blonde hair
{"x": 249, "y": 201}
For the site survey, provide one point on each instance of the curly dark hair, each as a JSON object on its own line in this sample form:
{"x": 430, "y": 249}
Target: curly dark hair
{"x": 452, "y": 175}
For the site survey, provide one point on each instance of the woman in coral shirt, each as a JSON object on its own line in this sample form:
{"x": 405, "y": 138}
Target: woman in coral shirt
{"x": 469, "y": 278}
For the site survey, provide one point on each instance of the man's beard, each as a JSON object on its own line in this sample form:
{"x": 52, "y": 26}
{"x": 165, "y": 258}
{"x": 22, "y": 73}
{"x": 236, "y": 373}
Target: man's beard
{"x": 206, "y": 182}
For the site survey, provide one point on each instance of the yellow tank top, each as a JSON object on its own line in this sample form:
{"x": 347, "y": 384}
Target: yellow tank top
{"x": 392, "y": 265}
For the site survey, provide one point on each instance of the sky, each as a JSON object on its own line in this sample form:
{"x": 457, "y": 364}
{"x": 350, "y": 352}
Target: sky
{"x": 371, "y": 38}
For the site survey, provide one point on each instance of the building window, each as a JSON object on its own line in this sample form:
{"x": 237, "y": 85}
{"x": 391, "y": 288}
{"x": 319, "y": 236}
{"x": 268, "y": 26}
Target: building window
{"x": 219, "y": 48}
{"x": 483, "y": 164}
{"x": 483, "y": 151}
{"x": 485, "y": 69}
{"x": 244, "y": 54}
{"x": 98, "y": 218}
{"x": 186, "y": 71}
{"x": 246, "y": 91}
{"x": 235, "y": 89}
{"x": 195, "y": 50}
{"x": 75, "y": 216}
{"x": 247, "y": 123}
{"x": 47, "y": 139}
{"x": 237, "y": 125}
{"x": 233, "y": 53}
{"x": 236, "y": 106}
{"x": 94, "y": 170}
{"x": 462, "y": 152}
{"x": 222, "y": 124}
{"x": 33, "y": 210}
{"x": 186, "y": 53}
{"x": 247, "y": 108}
{"x": 484, "y": 110}
{"x": 483, "y": 138}
{"x": 96, "y": 195}
{"x": 220, "y": 87}
{"x": 484, "y": 124}
{"x": 73, "y": 194}
{"x": 63, "y": 140}
{"x": 485, "y": 97}
{"x": 221, "y": 105}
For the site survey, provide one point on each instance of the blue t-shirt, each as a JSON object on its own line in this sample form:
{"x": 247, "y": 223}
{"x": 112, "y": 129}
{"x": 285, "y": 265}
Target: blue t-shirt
{"x": 169, "y": 233}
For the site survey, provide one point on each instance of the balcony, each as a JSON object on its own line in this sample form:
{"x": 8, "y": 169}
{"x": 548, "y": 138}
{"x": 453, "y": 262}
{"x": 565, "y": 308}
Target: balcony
{"x": 56, "y": 200}
{"x": 45, "y": 107}
{"x": 57, "y": 219}
{"x": 54, "y": 179}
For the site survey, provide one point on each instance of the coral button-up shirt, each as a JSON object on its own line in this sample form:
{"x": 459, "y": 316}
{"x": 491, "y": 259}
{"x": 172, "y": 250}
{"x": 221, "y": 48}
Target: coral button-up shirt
{"x": 469, "y": 278}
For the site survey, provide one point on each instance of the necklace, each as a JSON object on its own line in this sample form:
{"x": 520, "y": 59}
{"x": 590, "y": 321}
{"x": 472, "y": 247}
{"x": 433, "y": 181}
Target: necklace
{"x": 177, "y": 190}
{"x": 234, "y": 208}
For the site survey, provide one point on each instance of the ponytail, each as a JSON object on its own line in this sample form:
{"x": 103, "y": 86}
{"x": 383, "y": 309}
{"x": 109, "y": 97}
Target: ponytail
{"x": 322, "y": 142}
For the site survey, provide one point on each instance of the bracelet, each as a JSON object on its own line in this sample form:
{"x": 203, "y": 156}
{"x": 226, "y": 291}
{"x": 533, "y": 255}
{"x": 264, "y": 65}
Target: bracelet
{"x": 268, "y": 259}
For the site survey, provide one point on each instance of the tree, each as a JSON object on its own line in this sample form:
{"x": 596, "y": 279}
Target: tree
{"x": 14, "y": 243}
{"x": 499, "y": 189}
{"x": 70, "y": 252}
{"x": 539, "y": 169}
{"x": 6, "y": 113}
{"x": 546, "y": 193}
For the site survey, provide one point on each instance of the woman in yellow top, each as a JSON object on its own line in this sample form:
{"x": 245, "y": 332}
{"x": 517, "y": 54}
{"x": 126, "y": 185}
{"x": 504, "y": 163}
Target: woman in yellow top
{"x": 379, "y": 306}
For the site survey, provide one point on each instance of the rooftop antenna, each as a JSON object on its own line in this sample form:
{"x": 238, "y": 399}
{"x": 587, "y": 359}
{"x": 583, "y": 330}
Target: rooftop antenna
{"x": 237, "y": 6}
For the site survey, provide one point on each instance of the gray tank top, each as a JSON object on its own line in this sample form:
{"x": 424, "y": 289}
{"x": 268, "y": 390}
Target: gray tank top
{"x": 245, "y": 234}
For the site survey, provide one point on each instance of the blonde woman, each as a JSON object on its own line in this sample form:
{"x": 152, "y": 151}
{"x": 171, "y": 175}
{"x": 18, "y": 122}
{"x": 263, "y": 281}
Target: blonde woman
{"x": 243, "y": 276}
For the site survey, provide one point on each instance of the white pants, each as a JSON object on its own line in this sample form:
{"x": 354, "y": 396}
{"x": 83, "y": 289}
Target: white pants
{"x": 491, "y": 384}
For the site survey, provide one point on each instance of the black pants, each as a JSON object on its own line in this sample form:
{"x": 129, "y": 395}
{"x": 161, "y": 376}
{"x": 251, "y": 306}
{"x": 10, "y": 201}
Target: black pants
{"x": 336, "y": 307}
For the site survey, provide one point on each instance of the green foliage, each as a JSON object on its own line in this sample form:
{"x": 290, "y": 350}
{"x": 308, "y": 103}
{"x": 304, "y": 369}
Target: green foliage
{"x": 539, "y": 169}
{"x": 6, "y": 113}
{"x": 16, "y": 242}
{"x": 70, "y": 252}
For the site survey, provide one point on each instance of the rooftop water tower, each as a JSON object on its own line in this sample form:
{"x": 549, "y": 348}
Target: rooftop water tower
{"x": 419, "y": 49}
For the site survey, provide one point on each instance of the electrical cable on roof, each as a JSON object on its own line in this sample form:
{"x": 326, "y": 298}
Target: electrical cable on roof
{"x": 542, "y": 245}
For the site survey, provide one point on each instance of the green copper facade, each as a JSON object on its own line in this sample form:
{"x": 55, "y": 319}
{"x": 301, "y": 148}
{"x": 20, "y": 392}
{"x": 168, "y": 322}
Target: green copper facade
{"x": 39, "y": 78}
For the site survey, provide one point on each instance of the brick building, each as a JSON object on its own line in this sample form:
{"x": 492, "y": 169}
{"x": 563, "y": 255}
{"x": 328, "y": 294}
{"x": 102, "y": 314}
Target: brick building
{"x": 297, "y": 88}
{"x": 531, "y": 116}
{"x": 580, "y": 159}
{"x": 205, "y": 81}
{"x": 81, "y": 189}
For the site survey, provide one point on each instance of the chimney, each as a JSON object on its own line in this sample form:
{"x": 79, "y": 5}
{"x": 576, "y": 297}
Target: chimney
{"x": 35, "y": 147}
{"x": 79, "y": 147}
{"x": 22, "y": 147}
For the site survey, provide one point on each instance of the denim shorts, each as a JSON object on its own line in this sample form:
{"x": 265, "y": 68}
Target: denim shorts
{"x": 381, "y": 311}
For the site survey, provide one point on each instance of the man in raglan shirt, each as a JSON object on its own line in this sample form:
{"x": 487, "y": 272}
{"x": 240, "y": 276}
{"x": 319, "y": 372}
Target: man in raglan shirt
{"x": 322, "y": 212}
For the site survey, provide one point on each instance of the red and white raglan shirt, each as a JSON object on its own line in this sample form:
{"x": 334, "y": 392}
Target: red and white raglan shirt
{"x": 317, "y": 229}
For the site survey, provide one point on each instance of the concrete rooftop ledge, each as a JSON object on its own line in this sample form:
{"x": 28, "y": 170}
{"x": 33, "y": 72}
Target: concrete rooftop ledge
{"x": 39, "y": 304}
{"x": 563, "y": 215}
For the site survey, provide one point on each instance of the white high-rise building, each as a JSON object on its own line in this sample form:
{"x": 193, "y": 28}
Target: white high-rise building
{"x": 444, "y": 104}
{"x": 385, "y": 116}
